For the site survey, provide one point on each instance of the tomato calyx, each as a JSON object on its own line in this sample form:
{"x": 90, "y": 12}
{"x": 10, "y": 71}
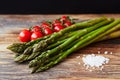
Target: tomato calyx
{"x": 35, "y": 28}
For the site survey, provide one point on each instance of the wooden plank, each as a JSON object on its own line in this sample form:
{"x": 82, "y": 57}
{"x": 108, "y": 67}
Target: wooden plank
{"x": 69, "y": 69}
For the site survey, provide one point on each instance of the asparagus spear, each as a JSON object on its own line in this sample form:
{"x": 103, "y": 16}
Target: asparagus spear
{"x": 112, "y": 35}
{"x": 43, "y": 57}
{"x": 17, "y": 47}
{"x": 88, "y": 39}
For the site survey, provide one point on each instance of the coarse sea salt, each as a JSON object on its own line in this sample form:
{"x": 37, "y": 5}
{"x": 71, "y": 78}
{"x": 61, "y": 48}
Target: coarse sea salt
{"x": 94, "y": 61}
{"x": 106, "y": 52}
{"x": 98, "y": 52}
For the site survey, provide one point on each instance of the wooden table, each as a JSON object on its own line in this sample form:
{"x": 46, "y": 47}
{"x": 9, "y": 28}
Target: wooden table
{"x": 69, "y": 69}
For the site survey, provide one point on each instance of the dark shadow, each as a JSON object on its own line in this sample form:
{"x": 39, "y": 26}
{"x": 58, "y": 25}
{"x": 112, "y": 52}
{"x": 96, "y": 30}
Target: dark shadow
{"x": 59, "y": 6}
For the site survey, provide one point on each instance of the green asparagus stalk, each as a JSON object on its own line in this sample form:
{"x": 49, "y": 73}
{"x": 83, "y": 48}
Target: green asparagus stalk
{"x": 112, "y": 35}
{"x": 42, "y": 57}
{"x": 56, "y": 44}
{"x": 88, "y": 39}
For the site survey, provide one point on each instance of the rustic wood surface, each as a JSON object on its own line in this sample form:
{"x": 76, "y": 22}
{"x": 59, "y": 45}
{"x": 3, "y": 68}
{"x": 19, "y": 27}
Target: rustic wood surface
{"x": 69, "y": 69}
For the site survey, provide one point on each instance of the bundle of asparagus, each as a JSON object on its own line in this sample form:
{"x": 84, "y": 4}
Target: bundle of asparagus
{"x": 46, "y": 52}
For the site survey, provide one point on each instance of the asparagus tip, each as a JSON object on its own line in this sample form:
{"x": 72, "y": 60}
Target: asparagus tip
{"x": 9, "y": 47}
{"x": 34, "y": 69}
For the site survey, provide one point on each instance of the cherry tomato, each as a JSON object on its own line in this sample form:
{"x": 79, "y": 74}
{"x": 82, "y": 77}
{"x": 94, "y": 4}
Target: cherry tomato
{"x": 56, "y": 21}
{"x": 58, "y": 28}
{"x": 47, "y": 31}
{"x": 68, "y": 23}
{"x": 36, "y": 28}
{"x": 55, "y": 24}
{"x": 36, "y": 35}
{"x": 63, "y": 18}
{"x": 45, "y": 24}
{"x": 25, "y": 35}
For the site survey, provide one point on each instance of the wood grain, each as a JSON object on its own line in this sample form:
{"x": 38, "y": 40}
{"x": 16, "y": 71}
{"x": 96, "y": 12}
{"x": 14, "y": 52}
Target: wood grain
{"x": 69, "y": 69}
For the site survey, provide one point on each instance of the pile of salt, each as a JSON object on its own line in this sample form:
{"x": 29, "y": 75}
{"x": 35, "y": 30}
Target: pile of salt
{"x": 94, "y": 61}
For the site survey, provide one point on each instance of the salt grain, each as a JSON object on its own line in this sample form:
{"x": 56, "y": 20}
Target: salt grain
{"x": 90, "y": 70}
{"x": 98, "y": 52}
{"x": 87, "y": 67}
{"x": 110, "y": 52}
{"x": 106, "y": 52}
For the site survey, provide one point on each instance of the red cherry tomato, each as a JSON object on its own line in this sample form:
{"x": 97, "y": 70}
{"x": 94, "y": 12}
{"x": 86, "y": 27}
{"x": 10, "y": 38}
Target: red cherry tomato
{"x": 25, "y": 35}
{"x": 36, "y": 35}
{"x": 58, "y": 28}
{"x": 68, "y": 23}
{"x": 56, "y": 24}
{"x": 45, "y": 24}
{"x": 63, "y": 18}
{"x": 36, "y": 28}
{"x": 48, "y": 31}
{"x": 56, "y": 21}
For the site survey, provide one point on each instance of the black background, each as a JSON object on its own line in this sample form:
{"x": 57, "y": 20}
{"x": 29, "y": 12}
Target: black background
{"x": 59, "y": 6}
